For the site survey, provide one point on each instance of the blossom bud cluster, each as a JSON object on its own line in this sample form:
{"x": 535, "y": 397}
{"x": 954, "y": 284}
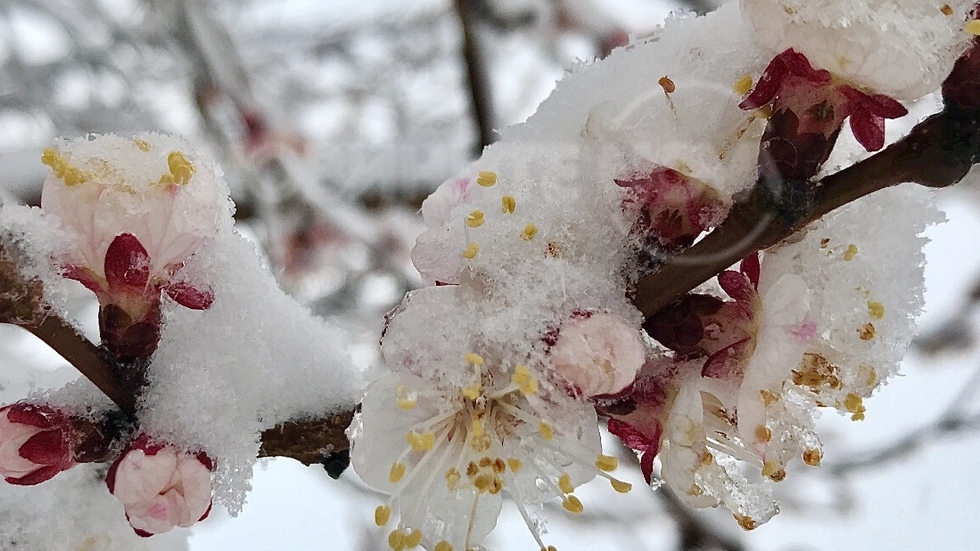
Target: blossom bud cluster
{"x": 496, "y": 368}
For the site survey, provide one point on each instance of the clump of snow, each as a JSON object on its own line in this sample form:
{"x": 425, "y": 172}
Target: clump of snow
{"x": 255, "y": 359}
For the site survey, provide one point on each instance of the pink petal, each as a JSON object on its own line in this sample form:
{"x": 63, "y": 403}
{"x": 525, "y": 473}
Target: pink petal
{"x": 727, "y": 363}
{"x": 190, "y": 297}
{"x": 127, "y": 263}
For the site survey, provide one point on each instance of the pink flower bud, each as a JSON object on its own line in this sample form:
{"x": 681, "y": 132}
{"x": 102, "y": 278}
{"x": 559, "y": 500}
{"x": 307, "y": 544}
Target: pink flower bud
{"x": 138, "y": 207}
{"x": 598, "y": 353}
{"x": 35, "y": 443}
{"x": 161, "y": 487}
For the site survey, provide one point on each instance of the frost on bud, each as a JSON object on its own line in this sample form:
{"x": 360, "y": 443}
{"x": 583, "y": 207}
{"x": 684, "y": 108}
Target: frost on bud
{"x": 902, "y": 49}
{"x": 35, "y": 443}
{"x": 161, "y": 487}
{"x": 138, "y": 209}
{"x": 598, "y": 353}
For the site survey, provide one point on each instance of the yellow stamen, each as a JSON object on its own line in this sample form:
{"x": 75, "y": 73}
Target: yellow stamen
{"x": 475, "y": 219}
{"x": 876, "y": 309}
{"x": 855, "y": 404}
{"x": 606, "y": 463}
{"x": 524, "y": 380}
{"x": 763, "y": 434}
{"x": 850, "y": 253}
{"x": 472, "y": 392}
{"x": 770, "y": 467}
{"x": 474, "y": 358}
{"x": 565, "y": 483}
{"x": 382, "y": 514}
{"x": 620, "y": 486}
{"x": 812, "y": 457}
{"x": 396, "y": 540}
{"x": 973, "y": 27}
{"x": 546, "y": 431}
{"x": 667, "y": 84}
{"x": 421, "y": 442}
{"x": 443, "y": 546}
{"x": 487, "y": 178}
{"x": 180, "y": 167}
{"x": 143, "y": 145}
{"x": 572, "y": 505}
{"x": 747, "y": 523}
{"x": 470, "y": 251}
{"x": 396, "y": 473}
{"x": 866, "y": 332}
{"x": 514, "y": 464}
{"x": 49, "y": 157}
{"x": 743, "y": 85}
{"x": 453, "y": 477}
{"x": 529, "y": 232}
{"x": 406, "y": 403}
{"x": 413, "y": 538}
{"x": 507, "y": 204}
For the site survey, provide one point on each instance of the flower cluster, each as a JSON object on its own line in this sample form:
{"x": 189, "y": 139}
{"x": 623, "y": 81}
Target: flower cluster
{"x": 491, "y": 376}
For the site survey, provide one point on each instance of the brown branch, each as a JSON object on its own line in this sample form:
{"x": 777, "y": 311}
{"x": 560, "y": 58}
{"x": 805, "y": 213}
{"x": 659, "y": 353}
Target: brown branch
{"x": 936, "y": 153}
{"x": 695, "y": 533}
{"x": 477, "y": 79}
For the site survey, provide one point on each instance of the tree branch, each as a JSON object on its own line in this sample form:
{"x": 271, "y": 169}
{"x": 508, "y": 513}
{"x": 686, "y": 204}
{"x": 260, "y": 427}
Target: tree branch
{"x": 938, "y": 152}
{"x": 478, "y": 82}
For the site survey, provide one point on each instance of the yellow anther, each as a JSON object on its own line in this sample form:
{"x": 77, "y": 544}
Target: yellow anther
{"x": 142, "y": 145}
{"x": 747, "y": 523}
{"x": 50, "y": 156}
{"x": 620, "y": 486}
{"x": 606, "y": 463}
{"x": 866, "y": 332}
{"x": 572, "y": 505}
{"x": 396, "y": 540}
{"x": 876, "y": 309}
{"x": 668, "y": 85}
{"x": 524, "y": 380}
{"x": 529, "y": 232}
{"x": 413, "y": 538}
{"x": 396, "y": 473}
{"x": 855, "y": 404}
{"x": 770, "y": 467}
{"x": 73, "y": 177}
{"x": 812, "y": 457}
{"x": 475, "y": 219}
{"x": 474, "y": 358}
{"x": 477, "y": 428}
{"x": 850, "y": 253}
{"x": 514, "y": 464}
{"x": 421, "y": 442}
{"x": 472, "y": 392}
{"x": 180, "y": 167}
{"x": 453, "y": 477}
{"x": 470, "y": 251}
{"x": 763, "y": 434}
{"x": 546, "y": 431}
{"x": 565, "y": 483}
{"x": 508, "y": 204}
{"x": 743, "y": 85}
{"x": 487, "y": 178}
{"x": 443, "y": 546}
{"x": 973, "y": 27}
{"x": 382, "y": 514}
{"x": 407, "y": 403}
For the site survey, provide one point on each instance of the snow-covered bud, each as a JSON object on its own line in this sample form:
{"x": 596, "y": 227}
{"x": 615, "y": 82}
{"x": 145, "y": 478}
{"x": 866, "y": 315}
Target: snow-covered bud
{"x": 674, "y": 207}
{"x": 598, "y": 353}
{"x": 902, "y": 49}
{"x": 35, "y": 443}
{"x": 160, "y": 486}
{"x": 138, "y": 208}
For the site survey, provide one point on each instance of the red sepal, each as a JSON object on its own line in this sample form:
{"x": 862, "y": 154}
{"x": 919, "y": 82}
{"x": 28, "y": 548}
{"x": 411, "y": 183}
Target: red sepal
{"x": 127, "y": 264}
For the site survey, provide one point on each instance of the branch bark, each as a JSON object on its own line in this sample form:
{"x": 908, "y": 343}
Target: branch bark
{"x": 478, "y": 82}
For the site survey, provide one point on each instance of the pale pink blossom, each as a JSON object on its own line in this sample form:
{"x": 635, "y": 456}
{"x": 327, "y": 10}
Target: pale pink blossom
{"x": 151, "y": 188}
{"x": 35, "y": 443}
{"x": 437, "y": 207}
{"x": 160, "y": 486}
{"x": 598, "y": 353}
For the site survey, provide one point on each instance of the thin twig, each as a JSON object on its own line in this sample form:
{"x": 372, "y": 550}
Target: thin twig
{"x": 477, "y": 79}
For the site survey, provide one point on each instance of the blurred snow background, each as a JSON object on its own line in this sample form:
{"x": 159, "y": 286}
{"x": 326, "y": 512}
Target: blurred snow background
{"x": 333, "y": 119}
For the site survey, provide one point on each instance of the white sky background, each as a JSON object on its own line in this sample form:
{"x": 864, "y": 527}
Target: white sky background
{"x": 924, "y": 501}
